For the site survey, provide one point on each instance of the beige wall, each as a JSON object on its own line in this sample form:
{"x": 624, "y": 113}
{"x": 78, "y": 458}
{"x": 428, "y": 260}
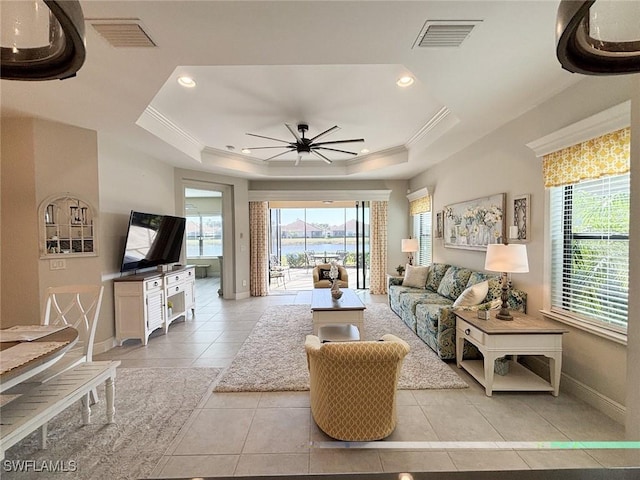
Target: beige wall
{"x": 20, "y": 262}
{"x": 501, "y": 162}
{"x": 633, "y": 354}
{"x": 129, "y": 181}
{"x": 54, "y": 158}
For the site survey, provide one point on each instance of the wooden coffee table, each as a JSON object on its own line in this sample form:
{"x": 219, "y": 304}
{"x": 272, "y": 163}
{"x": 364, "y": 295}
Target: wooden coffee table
{"x": 326, "y": 310}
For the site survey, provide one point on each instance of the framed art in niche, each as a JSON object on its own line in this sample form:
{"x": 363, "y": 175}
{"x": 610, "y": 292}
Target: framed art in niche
{"x": 522, "y": 218}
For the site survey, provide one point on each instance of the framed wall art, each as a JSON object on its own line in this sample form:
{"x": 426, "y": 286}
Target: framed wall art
{"x": 439, "y": 225}
{"x": 474, "y": 224}
{"x": 522, "y": 218}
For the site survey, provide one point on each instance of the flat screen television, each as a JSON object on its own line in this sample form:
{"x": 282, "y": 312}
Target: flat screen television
{"x": 152, "y": 240}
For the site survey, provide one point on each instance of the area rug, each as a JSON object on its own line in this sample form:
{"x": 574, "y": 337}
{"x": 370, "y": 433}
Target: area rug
{"x": 152, "y": 404}
{"x": 273, "y": 358}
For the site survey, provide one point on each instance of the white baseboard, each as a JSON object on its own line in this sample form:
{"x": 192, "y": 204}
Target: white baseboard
{"x": 570, "y": 385}
{"x": 242, "y": 295}
{"x": 104, "y": 346}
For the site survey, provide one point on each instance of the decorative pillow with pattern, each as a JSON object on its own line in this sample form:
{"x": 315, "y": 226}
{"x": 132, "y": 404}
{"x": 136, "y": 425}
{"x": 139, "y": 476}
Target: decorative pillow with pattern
{"x": 415, "y": 276}
{"x": 324, "y": 274}
{"x": 477, "y": 277}
{"x": 454, "y": 282}
{"x": 436, "y": 272}
{"x": 473, "y": 295}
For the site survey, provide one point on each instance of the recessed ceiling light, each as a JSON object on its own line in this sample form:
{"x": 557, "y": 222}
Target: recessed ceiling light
{"x": 246, "y": 150}
{"x": 405, "y": 81}
{"x": 364, "y": 150}
{"x": 187, "y": 82}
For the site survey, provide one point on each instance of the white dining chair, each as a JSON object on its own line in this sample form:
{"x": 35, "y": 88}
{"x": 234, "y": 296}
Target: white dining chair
{"x": 77, "y": 306}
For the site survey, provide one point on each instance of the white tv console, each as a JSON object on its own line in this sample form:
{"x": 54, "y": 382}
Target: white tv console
{"x": 142, "y": 301}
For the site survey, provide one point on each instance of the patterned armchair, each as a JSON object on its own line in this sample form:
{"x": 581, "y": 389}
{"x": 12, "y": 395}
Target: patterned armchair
{"x": 353, "y": 386}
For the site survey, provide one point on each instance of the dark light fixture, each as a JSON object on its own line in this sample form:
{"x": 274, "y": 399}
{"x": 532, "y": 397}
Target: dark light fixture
{"x": 41, "y": 40}
{"x": 602, "y": 39}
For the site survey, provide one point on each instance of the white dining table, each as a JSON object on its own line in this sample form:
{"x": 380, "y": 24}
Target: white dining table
{"x": 21, "y": 360}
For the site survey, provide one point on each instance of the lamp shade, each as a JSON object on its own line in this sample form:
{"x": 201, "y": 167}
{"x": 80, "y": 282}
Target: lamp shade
{"x": 409, "y": 245}
{"x": 510, "y": 258}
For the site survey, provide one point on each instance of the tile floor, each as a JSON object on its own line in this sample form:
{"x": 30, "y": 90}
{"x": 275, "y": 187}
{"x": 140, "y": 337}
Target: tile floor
{"x": 273, "y": 433}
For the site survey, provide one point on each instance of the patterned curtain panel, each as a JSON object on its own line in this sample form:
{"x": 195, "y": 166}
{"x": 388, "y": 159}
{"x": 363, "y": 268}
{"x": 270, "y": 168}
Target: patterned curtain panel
{"x": 258, "y": 244}
{"x": 595, "y": 158}
{"x": 378, "y": 267}
{"x": 421, "y": 205}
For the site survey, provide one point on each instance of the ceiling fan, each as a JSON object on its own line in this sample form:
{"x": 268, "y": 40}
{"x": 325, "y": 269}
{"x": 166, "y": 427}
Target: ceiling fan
{"x": 304, "y": 145}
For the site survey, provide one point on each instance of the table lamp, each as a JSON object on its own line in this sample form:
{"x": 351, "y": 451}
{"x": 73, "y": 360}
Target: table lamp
{"x": 410, "y": 246}
{"x": 507, "y": 259}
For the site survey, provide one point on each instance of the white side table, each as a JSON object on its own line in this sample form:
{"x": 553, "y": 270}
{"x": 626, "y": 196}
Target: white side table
{"x": 524, "y": 335}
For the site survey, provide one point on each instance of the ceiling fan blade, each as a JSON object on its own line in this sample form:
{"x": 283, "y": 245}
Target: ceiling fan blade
{"x": 326, "y": 132}
{"x": 321, "y": 156}
{"x": 260, "y": 148}
{"x": 294, "y": 132}
{"x": 268, "y": 138}
{"x": 353, "y": 140}
{"x": 280, "y": 154}
{"x": 334, "y": 150}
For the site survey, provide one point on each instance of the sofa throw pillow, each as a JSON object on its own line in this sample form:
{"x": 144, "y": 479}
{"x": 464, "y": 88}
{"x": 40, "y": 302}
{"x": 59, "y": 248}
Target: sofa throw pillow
{"x": 474, "y": 295}
{"x": 436, "y": 272}
{"x": 415, "y": 276}
{"x": 454, "y": 282}
{"x": 324, "y": 274}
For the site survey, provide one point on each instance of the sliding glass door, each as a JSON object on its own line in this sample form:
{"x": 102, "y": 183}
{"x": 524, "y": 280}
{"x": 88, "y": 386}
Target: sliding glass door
{"x": 304, "y": 234}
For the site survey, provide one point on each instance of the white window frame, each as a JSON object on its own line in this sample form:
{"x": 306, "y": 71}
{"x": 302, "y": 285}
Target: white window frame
{"x": 202, "y": 215}
{"x": 565, "y": 235}
{"x": 604, "y": 122}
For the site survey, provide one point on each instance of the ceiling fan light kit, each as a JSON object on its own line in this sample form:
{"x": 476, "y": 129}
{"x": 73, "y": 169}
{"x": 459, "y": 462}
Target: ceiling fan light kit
{"x": 306, "y": 146}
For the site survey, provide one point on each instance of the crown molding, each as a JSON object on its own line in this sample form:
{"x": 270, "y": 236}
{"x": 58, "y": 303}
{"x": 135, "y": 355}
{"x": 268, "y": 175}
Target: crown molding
{"x": 433, "y": 122}
{"x": 609, "y": 120}
{"x": 318, "y": 195}
{"x": 421, "y": 193}
{"x": 157, "y": 124}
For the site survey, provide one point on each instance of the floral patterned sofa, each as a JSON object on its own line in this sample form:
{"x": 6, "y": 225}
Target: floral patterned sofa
{"x": 429, "y": 313}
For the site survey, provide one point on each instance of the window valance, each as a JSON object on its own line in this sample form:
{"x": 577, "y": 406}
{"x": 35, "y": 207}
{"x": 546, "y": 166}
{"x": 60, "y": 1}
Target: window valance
{"x": 598, "y": 157}
{"x": 419, "y": 202}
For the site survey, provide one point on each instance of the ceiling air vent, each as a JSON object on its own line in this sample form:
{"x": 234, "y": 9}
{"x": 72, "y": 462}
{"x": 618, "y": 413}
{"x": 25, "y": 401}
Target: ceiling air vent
{"x": 122, "y": 32}
{"x": 445, "y": 33}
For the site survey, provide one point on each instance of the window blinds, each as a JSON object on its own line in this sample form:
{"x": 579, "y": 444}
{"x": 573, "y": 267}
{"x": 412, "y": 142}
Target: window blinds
{"x": 422, "y": 231}
{"x": 590, "y": 250}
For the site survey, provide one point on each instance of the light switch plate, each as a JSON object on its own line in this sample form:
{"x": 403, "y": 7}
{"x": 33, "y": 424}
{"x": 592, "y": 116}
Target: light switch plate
{"x": 57, "y": 264}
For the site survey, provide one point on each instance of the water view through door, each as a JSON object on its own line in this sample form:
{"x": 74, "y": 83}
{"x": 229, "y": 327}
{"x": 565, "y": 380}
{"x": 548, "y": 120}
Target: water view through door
{"x": 303, "y": 234}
